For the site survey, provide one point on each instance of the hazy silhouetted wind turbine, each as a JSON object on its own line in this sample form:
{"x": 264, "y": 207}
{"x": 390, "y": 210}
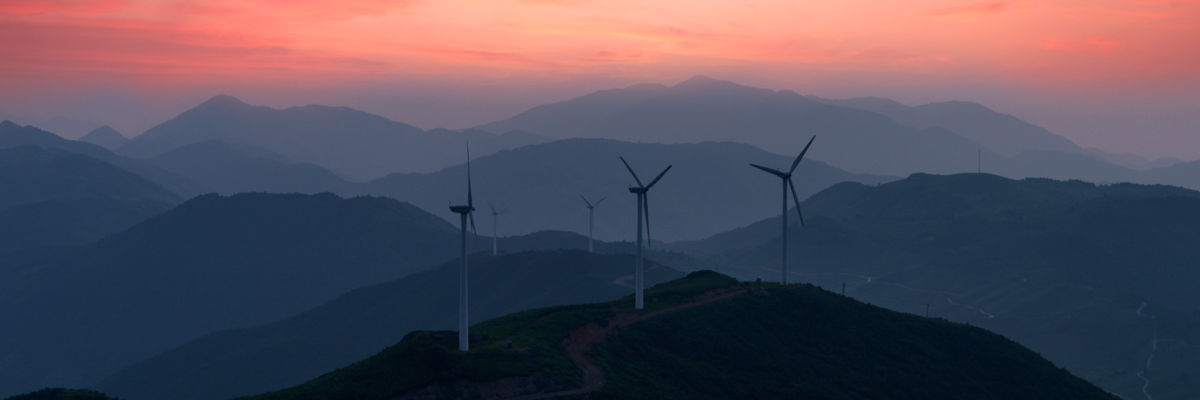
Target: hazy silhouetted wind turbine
{"x": 494, "y": 215}
{"x": 591, "y": 218}
{"x": 465, "y": 212}
{"x": 643, "y": 204}
{"x": 787, "y": 183}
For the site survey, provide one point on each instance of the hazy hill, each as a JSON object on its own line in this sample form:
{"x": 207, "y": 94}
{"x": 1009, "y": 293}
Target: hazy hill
{"x": 13, "y": 135}
{"x": 1002, "y": 133}
{"x": 1185, "y": 174}
{"x": 231, "y": 169}
{"x": 1090, "y": 276}
{"x": 359, "y": 144}
{"x": 708, "y": 337}
{"x": 105, "y": 137}
{"x": 62, "y": 394}
{"x": 62, "y": 223}
{"x": 704, "y": 109}
{"x": 74, "y": 317}
{"x": 1133, "y": 161}
{"x": 63, "y": 127}
{"x": 709, "y": 189}
{"x": 358, "y": 324}
{"x": 30, "y": 174}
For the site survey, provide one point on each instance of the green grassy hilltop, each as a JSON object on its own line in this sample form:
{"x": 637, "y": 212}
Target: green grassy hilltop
{"x": 706, "y": 336}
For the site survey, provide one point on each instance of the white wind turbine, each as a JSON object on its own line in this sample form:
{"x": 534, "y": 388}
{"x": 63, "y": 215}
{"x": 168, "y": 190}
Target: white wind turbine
{"x": 643, "y": 204}
{"x": 465, "y": 212}
{"x": 591, "y": 218}
{"x": 787, "y": 183}
{"x": 494, "y": 215}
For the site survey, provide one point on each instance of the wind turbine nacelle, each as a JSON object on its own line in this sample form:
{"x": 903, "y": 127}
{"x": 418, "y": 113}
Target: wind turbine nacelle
{"x": 462, "y": 209}
{"x": 637, "y": 190}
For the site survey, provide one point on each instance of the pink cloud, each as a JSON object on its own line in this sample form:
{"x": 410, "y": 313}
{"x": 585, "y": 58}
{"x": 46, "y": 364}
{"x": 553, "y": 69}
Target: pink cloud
{"x": 1092, "y": 45}
{"x": 976, "y": 10}
{"x": 26, "y": 7}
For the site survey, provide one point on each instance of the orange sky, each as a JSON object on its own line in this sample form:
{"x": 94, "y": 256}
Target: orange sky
{"x": 160, "y": 47}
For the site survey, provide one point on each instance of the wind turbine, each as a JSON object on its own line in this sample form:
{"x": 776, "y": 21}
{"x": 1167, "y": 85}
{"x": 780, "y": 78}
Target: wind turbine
{"x": 465, "y": 212}
{"x": 643, "y": 204}
{"x": 592, "y": 219}
{"x": 787, "y": 183}
{"x": 494, "y": 214}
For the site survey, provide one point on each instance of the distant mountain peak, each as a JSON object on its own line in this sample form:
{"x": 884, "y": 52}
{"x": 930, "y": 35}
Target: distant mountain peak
{"x": 106, "y": 137}
{"x": 703, "y": 85}
{"x": 222, "y": 100}
{"x": 701, "y": 81}
{"x": 9, "y": 125}
{"x": 648, "y": 86}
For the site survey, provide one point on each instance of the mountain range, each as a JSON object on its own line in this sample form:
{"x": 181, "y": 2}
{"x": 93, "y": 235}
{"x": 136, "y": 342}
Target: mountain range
{"x": 358, "y": 324}
{"x": 1097, "y": 278}
{"x": 13, "y": 135}
{"x": 50, "y": 197}
{"x": 64, "y": 127}
{"x": 364, "y": 146}
{"x": 76, "y": 315}
{"x": 710, "y": 187}
{"x": 230, "y": 169}
{"x": 703, "y": 109}
{"x": 863, "y": 135}
{"x": 30, "y": 174}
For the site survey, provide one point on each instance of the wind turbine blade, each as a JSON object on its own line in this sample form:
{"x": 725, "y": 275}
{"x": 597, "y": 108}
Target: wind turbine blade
{"x": 470, "y": 202}
{"x": 646, "y": 207}
{"x": 658, "y": 177}
{"x": 639, "y": 181}
{"x": 599, "y": 201}
{"x": 792, "y": 185}
{"x": 492, "y": 207}
{"x": 771, "y": 170}
{"x": 588, "y": 202}
{"x": 471, "y": 214}
{"x": 797, "y": 162}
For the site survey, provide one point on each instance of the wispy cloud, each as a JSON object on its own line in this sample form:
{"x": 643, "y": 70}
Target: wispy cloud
{"x": 27, "y": 7}
{"x": 982, "y": 9}
{"x": 1092, "y": 44}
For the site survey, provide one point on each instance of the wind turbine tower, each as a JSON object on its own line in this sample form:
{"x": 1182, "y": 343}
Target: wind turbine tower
{"x": 591, "y": 219}
{"x": 465, "y": 212}
{"x": 643, "y": 204}
{"x": 494, "y": 215}
{"x": 788, "y": 184}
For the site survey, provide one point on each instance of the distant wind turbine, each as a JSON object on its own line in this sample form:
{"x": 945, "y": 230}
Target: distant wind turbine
{"x": 643, "y": 204}
{"x": 787, "y": 183}
{"x": 494, "y": 215}
{"x": 465, "y": 212}
{"x": 591, "y": 218}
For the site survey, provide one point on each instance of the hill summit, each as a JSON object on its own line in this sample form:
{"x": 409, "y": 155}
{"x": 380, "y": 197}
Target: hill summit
{"x": 706, "y": 336}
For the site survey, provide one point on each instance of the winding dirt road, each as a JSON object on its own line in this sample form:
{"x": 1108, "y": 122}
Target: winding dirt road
{"x": 1153, "y": 351}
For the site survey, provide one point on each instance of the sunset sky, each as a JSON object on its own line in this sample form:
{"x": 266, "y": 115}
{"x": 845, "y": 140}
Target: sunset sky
{"x": 1123, "y": 76}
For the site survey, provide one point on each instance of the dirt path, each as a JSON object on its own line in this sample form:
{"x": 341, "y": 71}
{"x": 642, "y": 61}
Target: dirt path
{"x": 1153, "y": 351}
{"x": 582, "y": 339}
{"x": 980, "y": 310}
